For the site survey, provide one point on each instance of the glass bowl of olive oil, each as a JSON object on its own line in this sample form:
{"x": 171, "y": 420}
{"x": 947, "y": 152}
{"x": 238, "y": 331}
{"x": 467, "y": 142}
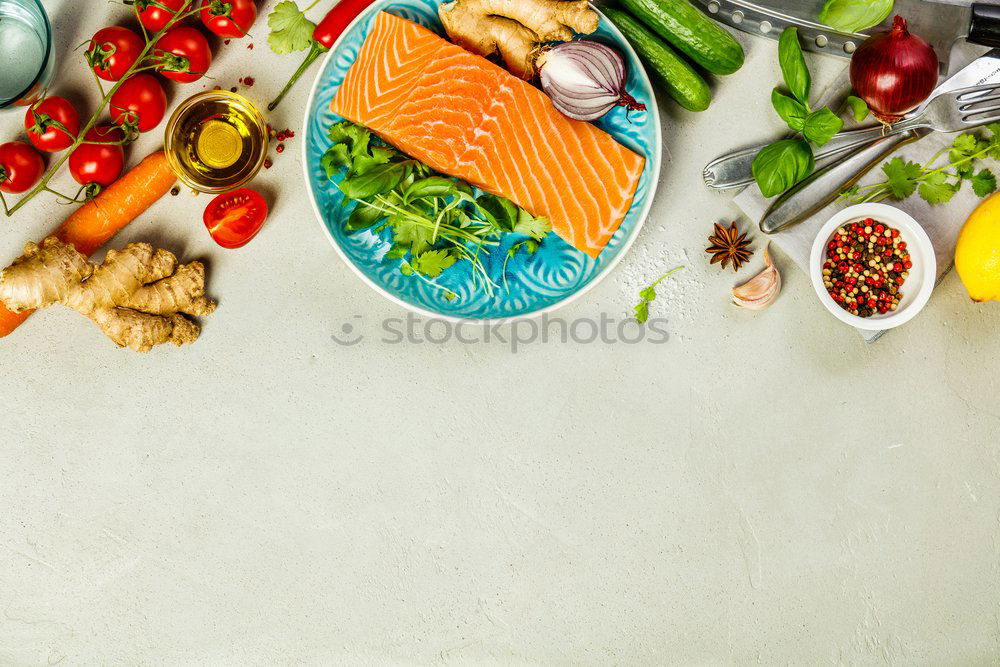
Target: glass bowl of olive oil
{"x": 216, "y": 141}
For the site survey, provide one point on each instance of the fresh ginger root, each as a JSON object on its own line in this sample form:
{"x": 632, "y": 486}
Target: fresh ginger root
{"x": 515, "y": 28}
{"x": 138, "y": 296}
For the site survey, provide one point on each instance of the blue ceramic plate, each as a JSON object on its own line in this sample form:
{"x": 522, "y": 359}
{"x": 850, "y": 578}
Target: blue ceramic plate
{"x": 555, "y": 275}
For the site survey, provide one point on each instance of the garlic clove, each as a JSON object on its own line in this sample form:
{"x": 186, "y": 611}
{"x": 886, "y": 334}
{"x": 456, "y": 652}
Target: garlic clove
{"x": 760, "y": 291}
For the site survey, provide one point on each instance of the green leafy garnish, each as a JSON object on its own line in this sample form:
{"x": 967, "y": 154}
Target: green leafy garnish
{"x": 936, "y": 184}
{"x": 854, "y": 15}
{"x": 290, "y": 29}
{"x": 859, "y": 108}
{"x": 784, "y": 163}
{"x": 648, "y": 295}
{"x": 435, "y": 220}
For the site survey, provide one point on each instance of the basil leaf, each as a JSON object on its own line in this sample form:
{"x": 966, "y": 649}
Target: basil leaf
{"x": 375, "y": 181}
{"x": 781, "y": 165}
{"x": 790, "y": 110}
{"x": 858, "y": 107}
{"x": 854, "y": 15}
{"x": 793, "y": 66}
{"x": 432, "y": 186}
{"x": 820, "y": 126}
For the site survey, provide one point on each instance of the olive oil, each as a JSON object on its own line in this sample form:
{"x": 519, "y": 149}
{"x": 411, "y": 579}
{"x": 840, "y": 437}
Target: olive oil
{"x": 216, "y": 141}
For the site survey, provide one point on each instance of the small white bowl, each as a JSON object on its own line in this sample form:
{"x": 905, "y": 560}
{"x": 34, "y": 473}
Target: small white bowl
{"x": 919, "y": 284}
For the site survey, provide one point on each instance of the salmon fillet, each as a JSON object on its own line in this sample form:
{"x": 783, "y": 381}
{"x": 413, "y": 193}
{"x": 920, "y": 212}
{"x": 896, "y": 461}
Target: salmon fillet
{"x": 463, "y": 116}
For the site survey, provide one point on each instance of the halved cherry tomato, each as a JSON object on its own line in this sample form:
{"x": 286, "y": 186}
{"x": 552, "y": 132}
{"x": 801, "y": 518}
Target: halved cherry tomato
{"x": 20, "y": 166}
{"x": 184, "y": 55}
{"x": 113, "y": 50}
{"x": 234, "y": 218}
{"x": 52, "y": 124}
{"x": 229, "y": 19}
{"x": 98, "y": 163}
{"x": 140, "y": 101}
{"x": 154, "y": 15}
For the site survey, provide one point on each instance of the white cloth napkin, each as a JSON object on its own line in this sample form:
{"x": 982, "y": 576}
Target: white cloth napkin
{"x": 942, "y": 223}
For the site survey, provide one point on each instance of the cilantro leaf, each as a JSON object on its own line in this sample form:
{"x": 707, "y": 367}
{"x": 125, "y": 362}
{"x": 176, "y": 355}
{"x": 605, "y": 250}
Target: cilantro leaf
{"x": 648, "y": 295}
{"x": 964, "y": 146}
{"x": 432, "y": 262}
{"x": 290, "y": 29}
{"x": 902, "y": 177}
{"x": 536, "y": 228}
{"x": 935, "y": 189}
{"x": 984, "y": 183}
{"x": 641, "y": 312}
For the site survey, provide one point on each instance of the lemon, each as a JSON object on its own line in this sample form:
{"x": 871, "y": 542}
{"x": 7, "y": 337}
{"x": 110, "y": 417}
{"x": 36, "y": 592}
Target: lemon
{"x": 977, "y": 255}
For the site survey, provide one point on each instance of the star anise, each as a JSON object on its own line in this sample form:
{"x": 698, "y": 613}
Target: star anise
{"x": 729, "y": 245}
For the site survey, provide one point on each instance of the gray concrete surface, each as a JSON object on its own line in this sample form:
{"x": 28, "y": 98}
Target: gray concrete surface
{"x": 761, "y": 488}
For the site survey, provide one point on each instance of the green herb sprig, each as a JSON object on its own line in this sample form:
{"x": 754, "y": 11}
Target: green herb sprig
{"x": 436, "y": 221}
{"x": 854, "y": 15}
{"x": 784, "y": 163}
{"x": 648, "y": 295}
{"x": 934, "y": 182}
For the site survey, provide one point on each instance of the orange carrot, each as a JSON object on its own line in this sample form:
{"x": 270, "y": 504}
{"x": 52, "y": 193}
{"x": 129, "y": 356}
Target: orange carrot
{"x": 94, "y": 223}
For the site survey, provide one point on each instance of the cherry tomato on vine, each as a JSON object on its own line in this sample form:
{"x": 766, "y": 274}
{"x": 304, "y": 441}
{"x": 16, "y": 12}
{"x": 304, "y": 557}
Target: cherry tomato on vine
{"x": 234, "y": 218}
{"x": 52, "y": 124}
{"x": 98, "y": 163}
{"x": 113, "y": 50}
{"x": 140, "y": 101}
{"x": 183, "y": 54}
{"x": 154, "y": 15}
{"x": 229, "y": 19}
{"x": 20, "y": 167}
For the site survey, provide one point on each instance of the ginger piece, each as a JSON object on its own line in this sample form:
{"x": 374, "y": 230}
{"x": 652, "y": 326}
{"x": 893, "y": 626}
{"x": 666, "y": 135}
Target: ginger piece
{"x": 515, "y": 28}
{"x": 138, "y": 297}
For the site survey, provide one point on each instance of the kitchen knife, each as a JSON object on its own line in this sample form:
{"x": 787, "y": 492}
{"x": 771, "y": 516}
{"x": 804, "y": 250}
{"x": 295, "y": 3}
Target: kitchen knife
{"x": 940, "y": 22}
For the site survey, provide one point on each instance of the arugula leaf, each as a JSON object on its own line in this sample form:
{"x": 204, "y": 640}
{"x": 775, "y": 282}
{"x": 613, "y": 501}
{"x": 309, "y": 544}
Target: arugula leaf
{"x": 432, "y": 262}
{"x": 854, "y": 15}
{"x": 791, "y": 111}
{"x": 536, "y": 228}
{"x": 859, "y": 108}
{"x": 984, "y": 183}
{"x": 902, "y": 177}
{"x": 820, "y": 126}
{"x": 793, "y": 66}
{"x": 935, "y": 188}
{"x": 290, "y": 29}
{"x": 363, "y": 217}
{"x": 781, "y": 165}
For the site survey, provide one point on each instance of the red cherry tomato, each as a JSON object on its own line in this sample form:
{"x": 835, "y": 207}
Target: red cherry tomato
{"x": 20, "y": 167}
{"x": 184, "y": 55}
{"x": 43, "y": 120}
{"x": 140, "y": 101}
{"x": 234, "y": 218}
{"x": 98, "y": 163}
{"x": 229, "y": 19}
{"x": 113, "y": 50}
{"x": 154, "y": 15}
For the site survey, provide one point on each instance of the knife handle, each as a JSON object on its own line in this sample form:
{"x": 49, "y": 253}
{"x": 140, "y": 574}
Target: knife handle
{"x": 985, "y": 26}
{"x": 814, "y": 193}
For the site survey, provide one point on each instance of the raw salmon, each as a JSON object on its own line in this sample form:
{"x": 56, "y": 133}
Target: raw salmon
{"x": 462, "y": 115}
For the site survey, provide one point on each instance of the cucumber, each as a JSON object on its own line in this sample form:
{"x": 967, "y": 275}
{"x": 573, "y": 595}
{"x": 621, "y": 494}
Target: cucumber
{"x": 666, "y": 68}
{"x": 690, "y": 31}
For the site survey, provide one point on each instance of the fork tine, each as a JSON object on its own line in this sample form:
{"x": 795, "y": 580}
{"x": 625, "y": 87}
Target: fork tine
{"x": 973, "y": 92}
{"x": 975, "y": 119}
{"x": 971, "y": 105}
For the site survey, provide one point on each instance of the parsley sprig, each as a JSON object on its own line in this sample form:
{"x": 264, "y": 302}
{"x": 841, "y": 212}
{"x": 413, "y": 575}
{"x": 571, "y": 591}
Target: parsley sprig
{"x": 648, "y": 296}
{"x": 436, "y": 221}
{"x": 936, "y": 183}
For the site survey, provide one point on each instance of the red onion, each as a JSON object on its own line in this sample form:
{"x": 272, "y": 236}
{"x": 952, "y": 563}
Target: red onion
{"x": 585, "y": 79}
{"x": 894, "y": 71}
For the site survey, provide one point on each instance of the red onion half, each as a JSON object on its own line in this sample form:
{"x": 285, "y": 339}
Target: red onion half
{"x": 894, "y": 71}
{"x": 585, "y": 79}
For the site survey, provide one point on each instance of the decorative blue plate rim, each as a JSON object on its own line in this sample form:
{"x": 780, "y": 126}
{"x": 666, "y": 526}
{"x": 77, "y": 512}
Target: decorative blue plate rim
{"x": 653, "y": 164}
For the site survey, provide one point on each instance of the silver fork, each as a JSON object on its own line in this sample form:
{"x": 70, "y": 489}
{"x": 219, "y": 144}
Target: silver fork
{"x": 950, "y": 112}
{"x": 941, "y": 114}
